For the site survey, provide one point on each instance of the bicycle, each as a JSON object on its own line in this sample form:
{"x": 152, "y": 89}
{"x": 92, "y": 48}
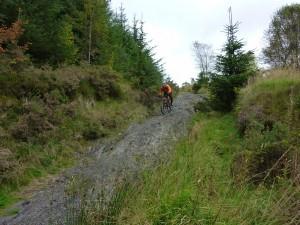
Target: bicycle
{"x": 166, "y": 106}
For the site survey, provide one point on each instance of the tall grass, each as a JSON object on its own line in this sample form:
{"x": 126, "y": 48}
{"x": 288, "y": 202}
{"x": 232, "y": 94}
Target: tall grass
{"x": 273, "y": 91}
{"x": 196, "y": 187}
{"x": 86, "y": 204}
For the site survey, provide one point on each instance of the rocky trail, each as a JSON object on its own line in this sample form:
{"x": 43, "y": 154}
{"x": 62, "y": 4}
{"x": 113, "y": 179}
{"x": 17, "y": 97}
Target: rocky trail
{"x": 141, "y": 147}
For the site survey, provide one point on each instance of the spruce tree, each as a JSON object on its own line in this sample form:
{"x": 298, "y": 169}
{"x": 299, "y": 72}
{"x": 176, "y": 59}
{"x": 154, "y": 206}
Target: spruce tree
{"x": 234, "y": 66}
{"x": 234, "y": 61}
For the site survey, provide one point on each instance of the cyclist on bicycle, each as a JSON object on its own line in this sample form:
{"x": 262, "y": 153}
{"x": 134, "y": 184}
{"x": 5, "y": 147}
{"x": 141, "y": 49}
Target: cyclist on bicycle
{"x": 166, "y": 90}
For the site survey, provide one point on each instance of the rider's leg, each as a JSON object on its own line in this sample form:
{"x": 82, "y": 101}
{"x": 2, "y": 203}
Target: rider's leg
{"x": 171, "y": 97}
{"x": 166, "y": 94}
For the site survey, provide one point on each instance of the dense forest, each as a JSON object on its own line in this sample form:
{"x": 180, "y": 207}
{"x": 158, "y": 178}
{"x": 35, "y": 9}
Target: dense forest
{"x": 62, "y": 32}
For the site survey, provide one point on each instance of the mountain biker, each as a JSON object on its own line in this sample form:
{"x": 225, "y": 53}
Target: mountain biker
{"x": 166, "y": 90}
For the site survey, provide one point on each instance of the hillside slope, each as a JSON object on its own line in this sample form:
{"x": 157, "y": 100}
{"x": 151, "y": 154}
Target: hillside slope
{"x": 49, "y": 117}
{"x": 269, "y": 120}
{"x": 142, "y": 146}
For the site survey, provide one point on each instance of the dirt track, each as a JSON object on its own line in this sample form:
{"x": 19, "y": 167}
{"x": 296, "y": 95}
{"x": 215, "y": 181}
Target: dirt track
{"x": 140, "y": 148}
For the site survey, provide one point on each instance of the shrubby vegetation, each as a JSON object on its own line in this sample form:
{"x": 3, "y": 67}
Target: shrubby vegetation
{"x": 47, "y": 117}
{"x": 268, "y": 115}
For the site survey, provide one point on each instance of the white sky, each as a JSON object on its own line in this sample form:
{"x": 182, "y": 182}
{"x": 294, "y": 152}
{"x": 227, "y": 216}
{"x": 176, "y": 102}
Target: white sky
{"x": 173, "y": 25}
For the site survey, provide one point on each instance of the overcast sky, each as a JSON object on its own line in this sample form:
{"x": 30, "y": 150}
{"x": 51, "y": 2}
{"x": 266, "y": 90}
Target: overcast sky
{"x": 173, "y": 25}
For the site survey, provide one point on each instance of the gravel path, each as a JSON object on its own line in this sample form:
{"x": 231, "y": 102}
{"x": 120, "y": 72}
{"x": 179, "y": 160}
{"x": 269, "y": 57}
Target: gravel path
{"x": 141, "y": 147}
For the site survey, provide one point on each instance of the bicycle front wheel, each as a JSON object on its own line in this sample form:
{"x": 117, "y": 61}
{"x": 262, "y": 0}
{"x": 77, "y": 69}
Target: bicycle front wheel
{"x": 165, "y": 108}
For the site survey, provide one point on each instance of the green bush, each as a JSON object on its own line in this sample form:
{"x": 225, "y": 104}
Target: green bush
{"x": 268, "y": 120}
{"x": 224, "y": 91}
{"x": 267, "y": 165}
{"x": 55, "y": 97}
{"x": 86, "y": 89}
{"x": 7, "y": 164}
{"x": 201, "y": 82}
{"x": 61, "y": 85}
{"x": 149, "y": 98}
{"x": 105, "y": 88}
{"x": 202, "y": 106}
{"x": 93, "y": 132}
{"x": 30, "y": 126}
{"x": 22, "y": 85}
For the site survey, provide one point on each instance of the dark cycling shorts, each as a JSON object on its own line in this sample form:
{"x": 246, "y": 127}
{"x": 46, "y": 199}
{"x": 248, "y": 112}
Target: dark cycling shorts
{"x": 166, "y": 94}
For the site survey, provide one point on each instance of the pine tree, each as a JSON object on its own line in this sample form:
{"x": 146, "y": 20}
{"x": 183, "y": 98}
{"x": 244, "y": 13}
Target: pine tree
{"x": 234, "y": 60}
{"x": 9, "y": 11}
{"x": 234, "y": 67}
{"x": 95, "y": 31}
{"x": 50, "y": 32}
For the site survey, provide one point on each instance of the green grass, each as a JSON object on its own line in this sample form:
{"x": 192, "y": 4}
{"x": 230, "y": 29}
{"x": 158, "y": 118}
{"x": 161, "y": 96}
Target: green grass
{"x": 5, "y": 198}
{"x": 195, "y": 185}
{"x": 275, "y": 95}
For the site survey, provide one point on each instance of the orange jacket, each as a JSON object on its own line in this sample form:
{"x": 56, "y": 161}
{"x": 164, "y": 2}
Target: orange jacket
{"x": 166, "y": 89}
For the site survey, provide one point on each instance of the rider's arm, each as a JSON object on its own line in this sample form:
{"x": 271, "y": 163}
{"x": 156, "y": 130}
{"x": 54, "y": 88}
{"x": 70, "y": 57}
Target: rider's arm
{"x": 160, "y": 91}
{"x": 169, "y": 89}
